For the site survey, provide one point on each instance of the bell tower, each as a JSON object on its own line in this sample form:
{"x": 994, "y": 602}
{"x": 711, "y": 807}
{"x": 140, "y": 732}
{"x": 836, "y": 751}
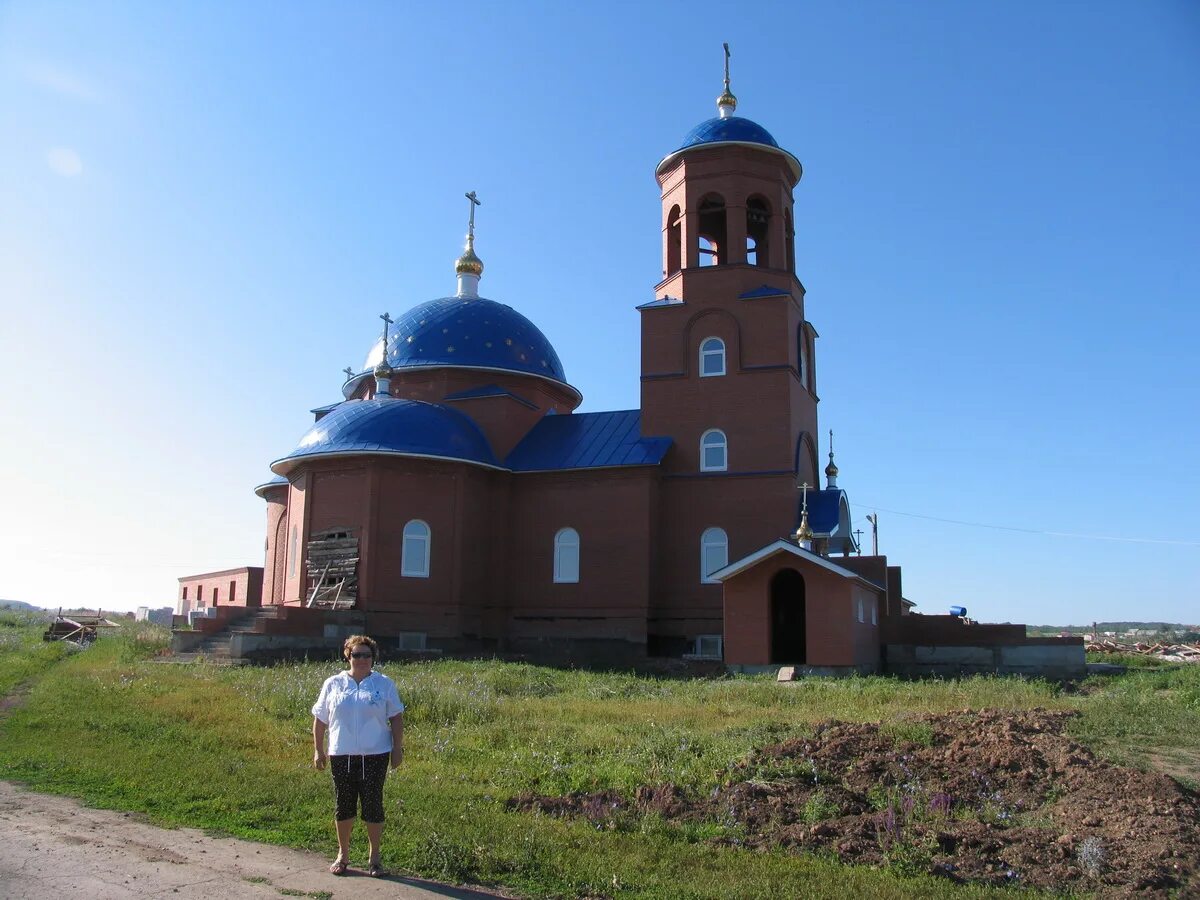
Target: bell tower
{"x": 727, "y": 353}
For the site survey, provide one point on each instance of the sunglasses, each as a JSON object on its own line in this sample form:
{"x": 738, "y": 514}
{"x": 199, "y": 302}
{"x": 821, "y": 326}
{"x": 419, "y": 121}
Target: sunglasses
{"x": 361, "y": 655}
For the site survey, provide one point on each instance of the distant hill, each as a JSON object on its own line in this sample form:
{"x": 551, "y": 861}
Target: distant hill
{"x": 18, "y": 604}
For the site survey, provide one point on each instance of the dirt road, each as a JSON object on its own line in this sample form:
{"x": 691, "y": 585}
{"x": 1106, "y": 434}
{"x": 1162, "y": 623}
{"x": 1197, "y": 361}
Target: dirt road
{"x": 54, "y": 847}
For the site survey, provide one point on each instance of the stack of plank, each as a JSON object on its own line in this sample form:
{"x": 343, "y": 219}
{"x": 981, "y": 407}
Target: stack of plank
{"x": 78, "y": 628}
{"x": 332, "y": 563}
{"x": 1170, "y": 652}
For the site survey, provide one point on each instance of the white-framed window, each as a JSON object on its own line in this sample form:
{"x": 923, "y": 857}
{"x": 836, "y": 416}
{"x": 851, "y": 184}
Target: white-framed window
{"x": 714, "y": 553}
{"x": 712, "y": 357}
{"x": 566, "y": 556}
{"x": 412, "y": 640}
{"x": 874, "y": 612}
{"x": 414, "y": 555}
{"x": 714, "y": 451}
{"x": 861, "y": 615}
{"x": 707, "y": 646}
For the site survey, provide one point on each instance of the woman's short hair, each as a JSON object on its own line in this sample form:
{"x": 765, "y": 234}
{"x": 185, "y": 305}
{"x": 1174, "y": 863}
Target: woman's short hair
{"x": 359, "y": 640}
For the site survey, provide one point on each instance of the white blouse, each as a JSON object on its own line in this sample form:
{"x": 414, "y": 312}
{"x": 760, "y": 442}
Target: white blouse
{"x": 358, "y": 714}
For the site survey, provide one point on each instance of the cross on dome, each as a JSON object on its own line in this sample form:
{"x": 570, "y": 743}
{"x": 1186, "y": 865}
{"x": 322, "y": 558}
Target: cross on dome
{"x": 469, "y": 267}
{"x": 726, "y": 103}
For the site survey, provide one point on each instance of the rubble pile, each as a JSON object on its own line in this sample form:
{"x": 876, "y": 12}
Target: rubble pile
{"x": 1167, "y": 652}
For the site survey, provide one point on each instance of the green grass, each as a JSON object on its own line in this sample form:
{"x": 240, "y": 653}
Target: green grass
{"x": 229, "y": 750}
{"x": 23, "y": 653}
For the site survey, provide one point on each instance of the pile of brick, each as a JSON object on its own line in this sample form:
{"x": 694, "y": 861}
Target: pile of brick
{"x": 1168, "y": 652}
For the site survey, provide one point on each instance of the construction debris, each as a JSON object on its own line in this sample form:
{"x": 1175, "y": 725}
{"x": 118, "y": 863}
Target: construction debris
{"x": 79, "y": 628}
{"x": 332, "y": 563}
{"x": 1159, "y": 650}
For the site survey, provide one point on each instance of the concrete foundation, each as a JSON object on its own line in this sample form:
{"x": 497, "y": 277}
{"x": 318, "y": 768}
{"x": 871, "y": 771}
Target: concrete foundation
{"x": 1063, "y": 661}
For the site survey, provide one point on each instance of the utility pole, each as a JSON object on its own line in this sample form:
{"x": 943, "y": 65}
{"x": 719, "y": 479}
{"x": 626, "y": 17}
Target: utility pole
{"x": 873, "y": 518}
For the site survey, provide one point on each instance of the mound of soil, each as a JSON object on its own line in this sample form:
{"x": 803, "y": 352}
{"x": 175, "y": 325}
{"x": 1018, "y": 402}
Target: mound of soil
{"x": 990, "y": 797}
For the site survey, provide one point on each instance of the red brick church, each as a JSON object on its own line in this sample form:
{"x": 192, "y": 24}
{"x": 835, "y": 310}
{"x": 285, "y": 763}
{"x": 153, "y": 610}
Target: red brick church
{"x": 456, "y": 500}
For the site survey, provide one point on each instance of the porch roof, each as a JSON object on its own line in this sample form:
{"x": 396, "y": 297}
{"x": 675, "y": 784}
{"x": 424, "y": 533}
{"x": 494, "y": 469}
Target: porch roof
{"x": 786, "y": 546}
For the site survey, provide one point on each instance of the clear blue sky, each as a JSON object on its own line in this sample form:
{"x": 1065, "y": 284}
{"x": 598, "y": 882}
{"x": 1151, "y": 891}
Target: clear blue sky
{"x": 205, "y": 206}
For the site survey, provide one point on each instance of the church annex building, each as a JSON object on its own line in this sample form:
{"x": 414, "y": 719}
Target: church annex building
{"x": 454, "y": 501}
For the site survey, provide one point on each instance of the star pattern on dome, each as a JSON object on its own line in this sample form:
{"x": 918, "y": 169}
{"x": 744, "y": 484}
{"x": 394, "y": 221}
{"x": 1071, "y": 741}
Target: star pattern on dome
{"x": 473, "y": 332}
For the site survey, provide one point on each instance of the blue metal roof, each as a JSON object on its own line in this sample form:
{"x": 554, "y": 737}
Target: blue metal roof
{"x": 587, "y": 440}
{"x": 389, "y": 425}
{"x": 488, "y": 390}
{"x": 763, "y": 291}
{"x": 661, "y": 301}
{"x": 823, "y": 509}
{"x": 472, "y": 333}
{"x": 277, "y": 481}
{"x": 734, "y": 128}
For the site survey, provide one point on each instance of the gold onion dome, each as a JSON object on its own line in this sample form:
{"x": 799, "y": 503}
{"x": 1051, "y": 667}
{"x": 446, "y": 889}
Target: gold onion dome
{"x": 727, "y": 99}
{"x": 382, "y": 369}
{"x": 469, "y": 263}
{"x": 804, "y": 532}
{"x": 832, "y": 468}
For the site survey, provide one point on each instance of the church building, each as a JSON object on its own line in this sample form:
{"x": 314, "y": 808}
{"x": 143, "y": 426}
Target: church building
{"x": 457, "y": 499}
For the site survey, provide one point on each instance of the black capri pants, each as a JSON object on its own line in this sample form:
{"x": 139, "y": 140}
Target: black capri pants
{"x": 356, "y": 777}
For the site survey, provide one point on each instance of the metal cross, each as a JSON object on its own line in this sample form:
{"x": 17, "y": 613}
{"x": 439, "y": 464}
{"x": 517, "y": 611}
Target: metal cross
{"x": 804, "y": 487}
{"x": 387, "y": 320}
{"x": 726, "y": 46}
{"x": 349, "y": 372}
{"x": 858, "y": 533}
{"x": 475, "y": 201}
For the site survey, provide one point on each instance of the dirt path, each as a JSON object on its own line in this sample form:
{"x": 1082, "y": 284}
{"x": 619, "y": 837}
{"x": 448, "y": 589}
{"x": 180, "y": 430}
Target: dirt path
{"x": 54, "y": 847}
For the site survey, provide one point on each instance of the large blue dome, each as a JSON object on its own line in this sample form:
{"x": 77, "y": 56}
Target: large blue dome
{"x": 470, "y": 333}
{"x": 391, "y": 426}
{"x": 733, "y": 128}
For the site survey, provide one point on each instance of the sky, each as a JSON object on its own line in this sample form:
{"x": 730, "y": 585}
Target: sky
{"x": 204, "y": 207}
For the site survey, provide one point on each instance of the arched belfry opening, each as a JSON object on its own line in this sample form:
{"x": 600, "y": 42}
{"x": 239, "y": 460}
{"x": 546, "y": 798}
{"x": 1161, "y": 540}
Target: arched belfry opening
{"x": 758, "y": 230}
{"x": 674, "y": 241}
{"x": 712, "y": 231}
{"x": 789, "y": 637}
{"x": 789, "y": 240}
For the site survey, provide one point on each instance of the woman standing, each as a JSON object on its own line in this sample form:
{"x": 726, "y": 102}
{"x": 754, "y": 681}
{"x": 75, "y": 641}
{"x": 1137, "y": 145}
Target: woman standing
{"x": 364, "y": 718}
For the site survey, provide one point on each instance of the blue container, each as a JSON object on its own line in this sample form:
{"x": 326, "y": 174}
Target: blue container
{"x": 959, "y": 611}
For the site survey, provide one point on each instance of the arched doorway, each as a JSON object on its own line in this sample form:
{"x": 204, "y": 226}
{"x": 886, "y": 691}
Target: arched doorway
{"x": 788, "y": 632}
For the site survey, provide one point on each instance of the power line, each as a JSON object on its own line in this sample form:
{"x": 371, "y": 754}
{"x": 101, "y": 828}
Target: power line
{"x": 1066, "y": 534}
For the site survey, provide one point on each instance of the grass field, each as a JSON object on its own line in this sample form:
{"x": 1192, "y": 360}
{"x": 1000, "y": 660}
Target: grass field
{"x": 229, "y": 750}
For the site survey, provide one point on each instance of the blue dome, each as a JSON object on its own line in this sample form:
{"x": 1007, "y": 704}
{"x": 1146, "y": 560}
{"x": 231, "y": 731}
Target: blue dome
{"x": 471, "y": 333}
{"x": 390, "y": 426}
{"x": 734, "y": 128}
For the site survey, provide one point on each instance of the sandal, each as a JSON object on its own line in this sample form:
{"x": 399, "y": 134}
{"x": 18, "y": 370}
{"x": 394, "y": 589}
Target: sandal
{"x": 376, "y": 870}
{"x": 338, "y": 867}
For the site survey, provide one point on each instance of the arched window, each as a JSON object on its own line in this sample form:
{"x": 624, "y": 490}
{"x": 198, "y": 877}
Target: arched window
{"x": 566, "y": 556}
{"x": 802, "y": 355}
{"x": 758, "y": 224}
{"x": 674, "y": 242}
{"x": 414, "y": 555}
{"x": 711, "y": 229}
{"x": 789, "y": 239}
{"x": 714, "y": 451}
{"x": 861, "y": 616}
{"x": 712, "y": 357}
{"x": 714, "y": 553}
{"x": 292, "y": 555}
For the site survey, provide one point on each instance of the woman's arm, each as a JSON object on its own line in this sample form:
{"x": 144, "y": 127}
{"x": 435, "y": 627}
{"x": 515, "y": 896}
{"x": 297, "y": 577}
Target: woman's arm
{"x": 397, "y": 723}
{"x": 318, "y": 732}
